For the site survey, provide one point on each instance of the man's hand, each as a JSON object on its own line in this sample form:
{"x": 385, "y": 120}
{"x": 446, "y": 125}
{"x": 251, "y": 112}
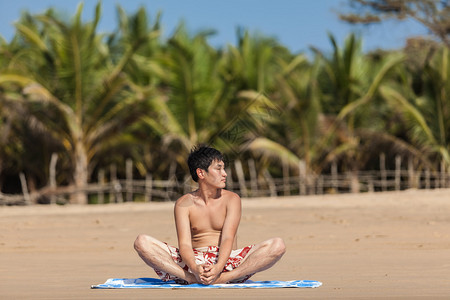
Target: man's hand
{"x": 210, "y": 274}
{"x": 198, "y": 272}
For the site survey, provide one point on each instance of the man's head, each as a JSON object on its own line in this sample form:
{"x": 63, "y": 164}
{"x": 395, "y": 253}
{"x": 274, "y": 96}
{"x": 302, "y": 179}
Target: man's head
{"x": 202, "y": 157}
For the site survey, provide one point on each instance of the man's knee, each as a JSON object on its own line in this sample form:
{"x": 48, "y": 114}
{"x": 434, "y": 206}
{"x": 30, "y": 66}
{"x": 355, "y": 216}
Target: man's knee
{"x": 277, "y": 246}
{"x": 142, "y": 241}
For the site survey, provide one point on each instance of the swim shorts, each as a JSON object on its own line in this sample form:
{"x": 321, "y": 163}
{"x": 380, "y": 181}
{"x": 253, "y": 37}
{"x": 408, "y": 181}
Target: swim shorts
{"x": 208, "y": 256}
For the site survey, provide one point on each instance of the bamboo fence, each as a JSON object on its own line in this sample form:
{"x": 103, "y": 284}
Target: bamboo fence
{"x": 242, "y": 179}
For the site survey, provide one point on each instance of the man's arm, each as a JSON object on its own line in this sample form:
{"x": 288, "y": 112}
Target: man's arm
{"x": 182, "y": 224}
{"x": 229, "y": 230}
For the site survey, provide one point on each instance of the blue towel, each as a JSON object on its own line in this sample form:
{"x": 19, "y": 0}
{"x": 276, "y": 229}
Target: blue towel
{"x": 152, "y": 283}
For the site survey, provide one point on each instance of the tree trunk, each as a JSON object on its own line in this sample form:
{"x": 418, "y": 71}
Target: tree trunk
{"x": 354, "y": 181}
{"x": 80, "y": 175}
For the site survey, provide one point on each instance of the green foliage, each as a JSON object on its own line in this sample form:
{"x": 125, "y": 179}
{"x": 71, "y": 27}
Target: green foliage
{"x": 98, "y": 99}
{"x": 426, "y": 113}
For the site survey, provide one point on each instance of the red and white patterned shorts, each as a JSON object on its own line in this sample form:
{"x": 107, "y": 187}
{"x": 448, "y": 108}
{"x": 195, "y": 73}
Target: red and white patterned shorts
{"x": 208, "y": 256}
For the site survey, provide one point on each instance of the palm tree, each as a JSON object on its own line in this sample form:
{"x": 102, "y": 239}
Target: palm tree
{"x": 200, "y": 101}
{"x": 7, "y": 113}
{"x": 252, "y": 64}
{"x": 311, "y": 96}
{"x": 328, "y": 110}
{"x": 12, "y": 114}
{"x": 424, "y": 107}
{"x": 346, "y": 87}
{"x": 352, "y": 81}
{"x": 290, "y": 139}
{"x": 75, "y": 83}
{"x": 251, "y": 67}
{"x": 187, "y": 89}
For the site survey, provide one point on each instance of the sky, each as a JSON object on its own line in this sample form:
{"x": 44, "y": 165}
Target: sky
{"x": 296, "y": 24}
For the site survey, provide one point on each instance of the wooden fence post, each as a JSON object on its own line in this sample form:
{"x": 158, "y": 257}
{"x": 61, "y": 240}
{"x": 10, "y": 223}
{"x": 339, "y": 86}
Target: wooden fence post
{"x": 230, "y": 183}
{"x": 437, "y": 179}
{"x": 241, "y": 177}
{"x": 334, "y": 177}
{"x": 310, "y": 183}
{"x": 26, "y": 194}
{"x": 52, "y": 179}
{"x": 370, "y": 187}
{"x": 398, "y": 172}
{"x": 302, "y": 178}
{"x": 447, "y": 177}
{"x": 411, "y": 173}
{"x": 319, "y": 185}
{"x": 427, "y": 179}
{"x": 129, "y": 180}
{"x": 286, "y": 183}
{"x": 148, "y": 187}
{"x": 101, "y": 181}
{"x": 112, "y": 183}
{"x": 253, "y": 177}
{"x": 116, "y": 188}
{"x": 383, "y": 172}
{"x": 272, "y": 187}
{"x": 354, "y": 181}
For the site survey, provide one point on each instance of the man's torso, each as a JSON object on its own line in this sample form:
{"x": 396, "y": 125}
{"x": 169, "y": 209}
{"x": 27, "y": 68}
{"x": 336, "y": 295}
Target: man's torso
{"x": 207, "y": 220}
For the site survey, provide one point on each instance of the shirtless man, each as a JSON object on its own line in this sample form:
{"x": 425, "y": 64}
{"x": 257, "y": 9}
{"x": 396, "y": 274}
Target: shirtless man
{"x": 206, "y": 222}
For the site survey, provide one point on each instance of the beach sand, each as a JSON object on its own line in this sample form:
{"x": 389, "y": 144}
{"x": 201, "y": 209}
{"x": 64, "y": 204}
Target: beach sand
{"x": 392, "y": 245}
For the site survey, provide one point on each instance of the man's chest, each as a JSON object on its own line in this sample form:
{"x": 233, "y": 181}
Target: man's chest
{"x": 207, "y": 218}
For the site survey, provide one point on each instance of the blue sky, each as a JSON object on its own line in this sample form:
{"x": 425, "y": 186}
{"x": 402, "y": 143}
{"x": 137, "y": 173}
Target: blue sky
{"x": 297, "y": 24}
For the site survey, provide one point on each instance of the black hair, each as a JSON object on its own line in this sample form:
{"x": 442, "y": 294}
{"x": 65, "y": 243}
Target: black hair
{"x": 202, "y": 157}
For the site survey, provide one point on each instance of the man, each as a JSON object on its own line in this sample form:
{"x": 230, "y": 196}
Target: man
{"x": 206, "y": 222}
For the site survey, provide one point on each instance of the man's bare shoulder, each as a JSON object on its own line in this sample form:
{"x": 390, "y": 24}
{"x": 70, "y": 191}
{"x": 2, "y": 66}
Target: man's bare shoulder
{"x": 185, "y": 200}
{"x": 231, "y": 196}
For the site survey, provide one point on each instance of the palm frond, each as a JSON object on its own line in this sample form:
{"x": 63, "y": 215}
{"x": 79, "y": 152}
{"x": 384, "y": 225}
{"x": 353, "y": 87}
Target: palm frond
{"x": 272, "y": 150}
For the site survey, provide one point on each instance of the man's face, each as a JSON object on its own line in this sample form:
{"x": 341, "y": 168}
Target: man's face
{"x": 216, "y": 174}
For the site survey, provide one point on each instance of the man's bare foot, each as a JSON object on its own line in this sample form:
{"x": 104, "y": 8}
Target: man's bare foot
{"x": 221, "y": 279}
{"x": 190, "y": 278}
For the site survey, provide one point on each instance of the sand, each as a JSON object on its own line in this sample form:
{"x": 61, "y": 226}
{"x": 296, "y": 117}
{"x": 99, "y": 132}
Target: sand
{"x": 393, "y": 245}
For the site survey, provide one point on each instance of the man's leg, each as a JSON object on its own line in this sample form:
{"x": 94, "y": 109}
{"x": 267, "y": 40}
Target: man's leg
{"x": 261, "y": 257}
{"x": 156, "y": 255}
